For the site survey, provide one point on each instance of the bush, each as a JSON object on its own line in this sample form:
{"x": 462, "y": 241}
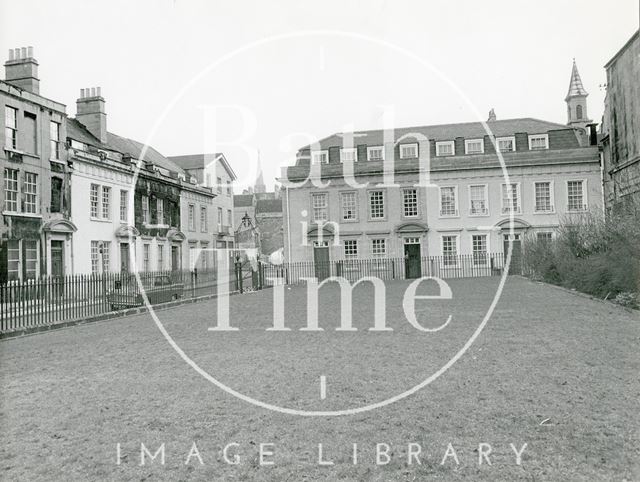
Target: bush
{"x": 589, "y": 254}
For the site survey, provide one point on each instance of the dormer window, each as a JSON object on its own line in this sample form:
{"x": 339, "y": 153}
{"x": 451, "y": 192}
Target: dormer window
{"x": 348, "y": 155}
{"x": 375, "y": 153}
{"x": 506, "y": 144}
{"x": 445, "y": 148}
{"x": 474, "y": 146}
{"x": 408, "y": 151}
{"x": 320, "y": 157}
{"x": 539, "y": 141}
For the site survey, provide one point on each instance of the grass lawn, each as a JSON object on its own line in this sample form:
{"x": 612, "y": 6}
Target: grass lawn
{"x": 556, "y": 371}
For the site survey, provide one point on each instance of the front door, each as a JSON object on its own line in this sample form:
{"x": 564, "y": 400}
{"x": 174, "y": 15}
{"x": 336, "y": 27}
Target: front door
{"x": 516, "y": 253}
{"x": 124, "y": 257}
{"x": 321, "y": 260}
{"x": 412, "y": 268}
{"x": 175, "y": 258}
{"x": 57, "y": 258}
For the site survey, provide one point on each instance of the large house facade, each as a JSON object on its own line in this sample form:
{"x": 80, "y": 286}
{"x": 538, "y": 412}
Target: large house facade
{"x": 621, "y": 129}
{"x": 37, "y": 235}
{"x": 467, "y": 206}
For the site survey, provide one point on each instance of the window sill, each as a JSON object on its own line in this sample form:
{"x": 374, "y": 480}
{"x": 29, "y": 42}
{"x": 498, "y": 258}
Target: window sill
{"x": 449, "y": 216}
{"x": 348, "y": 221}
{"x": 57, "y": 161}
{"x": 22, "y": 215}
{"x": 11, "y": 149}
{"x": 374, "y": 220}
{"x": 480, "y": 215}
{"x": 509, "y": 214}
{"x": 544, "y": 212}
{"x": 101, "y": 220}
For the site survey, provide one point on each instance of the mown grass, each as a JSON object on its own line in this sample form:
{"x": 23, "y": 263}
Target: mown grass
{"x": 553, "y": 370}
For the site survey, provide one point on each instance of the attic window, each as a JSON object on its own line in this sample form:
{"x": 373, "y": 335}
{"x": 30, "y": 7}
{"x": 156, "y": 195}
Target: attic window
{"x": 320, "y": 157}
{"x": 445, "y": 148}
{"x": 539, "y": 141}
{"x": 474, "y": 146}
{"x": 408, "y": 151}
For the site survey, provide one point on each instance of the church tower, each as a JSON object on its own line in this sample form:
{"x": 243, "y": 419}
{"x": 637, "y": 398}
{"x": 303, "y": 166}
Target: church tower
{"x": 577, "y": 101}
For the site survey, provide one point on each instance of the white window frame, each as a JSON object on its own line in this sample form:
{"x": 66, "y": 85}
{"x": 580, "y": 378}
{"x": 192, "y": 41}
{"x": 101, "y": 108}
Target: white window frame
{"x": 487, "y": 250}
{"x": 220, "y": 218}
{"x": 470, "y": 141}
{"x": 313, "y": 197}
{"x": 519, "y": 196}
{"x": 348, "y": 150}
{"x": 538, "y": 233}
{"x": 585, "y": 203}
{"x": 417, "y": 198}
{"x": 506, "y": 138}
{"x": 203, "y": 219}
{"x": 145, "y": 209}
{"x": 191, "y": 216}
{"x": 384, "y": 205}
{"x": 456, "y": 237}
{"x": 551, "y": 198}
{"x": 371, "y": 148}
{"x": 54, "y": 141}
{"x": 355, "y": 207}
{"x": 352, "y": 243}
{"x": 105, "y": 202}
{"x": 160, "y": 257}
{"x": 456, "y": 213}
{"x": 316, "y": 154}
{"x": 31, "y": 198}
{"x": 146, "y": 257}
{"x": 486, "y": 200}
{"x": 413, "y": 145}
{"x": 11, "y": 131}
{"x": 124, "y": 205}
{"x": 380, "y": 242}
{"x": 10, "y": 181}
{"x": 440, "y": 144}
{"x": 94, "y": 203}
{"x": 539, "y": 136}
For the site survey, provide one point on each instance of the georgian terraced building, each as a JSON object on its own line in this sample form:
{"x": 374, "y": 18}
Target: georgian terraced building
{"x": 36, "y": 235}
{"x": 553, "y": 170}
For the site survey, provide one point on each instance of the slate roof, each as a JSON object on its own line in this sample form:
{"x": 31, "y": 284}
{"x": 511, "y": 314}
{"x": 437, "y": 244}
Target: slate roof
{"x": 268, "y": 206}
{"x": 199, "y": 161}
{"x": 448, "y": 132}
{"x": 242, "y": 200}
{"x": 77, "y": 131}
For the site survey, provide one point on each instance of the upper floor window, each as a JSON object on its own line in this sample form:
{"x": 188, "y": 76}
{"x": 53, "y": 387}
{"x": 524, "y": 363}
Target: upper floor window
{"x": 449, "y": 201}
{"x": 506, "y": 144}
{"x": 348, "y": 154}
{"x": 145, "y": 209}
{"x": 375, "y": 153}
{"x": 319, "y": 205}
{"x": 30, "y": 193}
{"x": 539, "y": 141}
{"x": 57, "y": 195}
{"x": 229, "y": 188}
{"x": 319, "y": 157}
{"x": 543, "y": 196}
{"x": 219, "y": 219}
{"x": 576, "y": 196}
{"x": 54, "y": 140}
{"x": 106, "y": 202}
{"x": 207, "y": 180}
{"x": 478, "y": 200}
{"x": 219, "y": 184}
{"x": 11, "y": 190}
{"x": 474, "y": 146}
{"x": 160, "y": 210}
{"x": 191, "y": 217}
{"x": 408, "y": 151}
{"x": 445, "y": 148}
{"x": 124, "y": 205}
{"x": 11, "y": 127}
{"x": 203, "y": 219}
{"x": 229, "y": 218}
{"x": 376, "y": 204}
{"x": 511, "y": 198}
{"x": 349, "y": 205}
{"x": 410, "y": 202}
{"x": 30, "y": 133}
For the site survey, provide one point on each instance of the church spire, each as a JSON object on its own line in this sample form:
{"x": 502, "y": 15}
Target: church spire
{"x": 259, "y": 187}
{"x": 575, "y": 84}
{"x": 576, "y": 100}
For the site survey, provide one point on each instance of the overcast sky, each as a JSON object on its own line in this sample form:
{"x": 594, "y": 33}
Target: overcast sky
{"x": 428, "y": 62}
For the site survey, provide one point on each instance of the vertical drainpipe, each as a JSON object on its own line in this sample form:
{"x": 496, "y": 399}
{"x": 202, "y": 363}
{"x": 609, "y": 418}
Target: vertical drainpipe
{"x": 286, "y": 192}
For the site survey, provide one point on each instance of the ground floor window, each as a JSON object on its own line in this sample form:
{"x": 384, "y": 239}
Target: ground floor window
{"x": 22, "y": 259}
{"x": 146, "y": 255}
{"x": 544, "y": 236}
{"x": 379, "y": 247}
{"x": 160, "y": 257}
{"x": 411, "y": 240}
{"x": 100, "y": 250}
{"x": 450, "y": 250}
{"x": 350, "y": 248}
{"x": 479, "y": 246}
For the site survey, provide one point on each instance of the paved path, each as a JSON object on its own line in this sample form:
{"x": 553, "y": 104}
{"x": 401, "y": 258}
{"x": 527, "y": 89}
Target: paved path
{"x": 551, "y": 369}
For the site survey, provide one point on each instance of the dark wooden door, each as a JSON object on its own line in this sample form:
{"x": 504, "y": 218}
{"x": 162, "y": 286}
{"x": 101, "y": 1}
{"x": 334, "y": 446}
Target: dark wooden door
{"x": 175, "y": 258}
{"x": 321, "y": 261}
{"x": 57, "y": 258}
{"x": 412, "y": 268}
{"x": 516, "y": 253}
{"x": 124, "y": 257}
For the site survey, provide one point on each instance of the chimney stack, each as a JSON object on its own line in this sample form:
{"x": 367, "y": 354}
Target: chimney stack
{"x": 492, "y": 115}
{"x": 21, "y": 70}
{"x": 90, "y": 111}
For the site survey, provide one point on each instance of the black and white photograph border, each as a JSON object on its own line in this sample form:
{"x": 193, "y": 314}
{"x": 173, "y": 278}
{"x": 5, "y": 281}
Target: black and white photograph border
{"x": 323, "y": 240}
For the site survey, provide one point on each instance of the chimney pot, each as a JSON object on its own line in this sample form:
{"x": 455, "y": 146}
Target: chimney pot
{"x": 30, "y": 52}
{"x": 10, "y": 54}
{"x": 24, "y": 52}
{"x": 98, "y": 91}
